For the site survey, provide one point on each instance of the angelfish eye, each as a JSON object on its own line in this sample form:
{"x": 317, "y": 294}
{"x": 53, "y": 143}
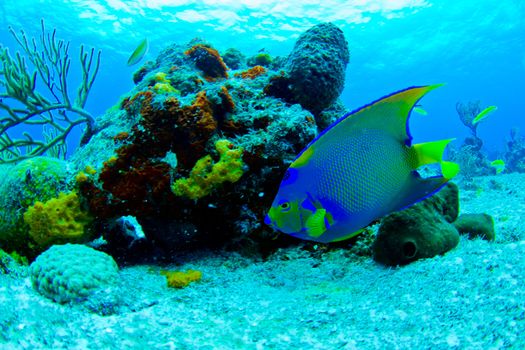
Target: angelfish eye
{"x": 285, "y": 206}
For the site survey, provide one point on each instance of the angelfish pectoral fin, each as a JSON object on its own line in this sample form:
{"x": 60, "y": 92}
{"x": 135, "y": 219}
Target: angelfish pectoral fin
{"x": 318, "y": 223}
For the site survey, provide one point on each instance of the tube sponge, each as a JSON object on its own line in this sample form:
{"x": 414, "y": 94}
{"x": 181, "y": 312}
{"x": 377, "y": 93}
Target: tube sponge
{"x": 72, "y": 272}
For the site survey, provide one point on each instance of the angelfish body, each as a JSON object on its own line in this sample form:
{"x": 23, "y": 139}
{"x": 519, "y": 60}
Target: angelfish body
{"x": 359, "y": 169}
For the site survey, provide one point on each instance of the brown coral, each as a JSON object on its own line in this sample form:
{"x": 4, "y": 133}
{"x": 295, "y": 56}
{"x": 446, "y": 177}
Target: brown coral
{"x": 136, "y": 181}
{"x": 209, "y": 61}
{"x": 227, "y": 104}
{"x": 195, "y": 125}
{"x": 279, "y": 86}
{"x": 252, "y": 73}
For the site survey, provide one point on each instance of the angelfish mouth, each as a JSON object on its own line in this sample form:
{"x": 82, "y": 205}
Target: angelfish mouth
{"x": 268, "y": 221}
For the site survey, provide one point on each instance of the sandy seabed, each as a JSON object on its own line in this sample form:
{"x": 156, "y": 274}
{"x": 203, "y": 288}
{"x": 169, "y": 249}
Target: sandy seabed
{"x": 473, "y": 297}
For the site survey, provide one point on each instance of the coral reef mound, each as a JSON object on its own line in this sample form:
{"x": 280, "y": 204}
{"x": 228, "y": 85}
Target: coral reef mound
{"x": 191, "y": 141}
{"x": 71, "y": 272}
{"x": 31, "y": 180}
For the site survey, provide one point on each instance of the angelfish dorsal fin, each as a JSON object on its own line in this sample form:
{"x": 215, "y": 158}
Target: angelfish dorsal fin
{"x": 389, "y": 113}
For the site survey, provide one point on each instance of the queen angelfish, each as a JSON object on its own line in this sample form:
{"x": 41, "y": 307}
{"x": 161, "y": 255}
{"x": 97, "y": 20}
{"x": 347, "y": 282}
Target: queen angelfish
{"x": 361, "y": 168}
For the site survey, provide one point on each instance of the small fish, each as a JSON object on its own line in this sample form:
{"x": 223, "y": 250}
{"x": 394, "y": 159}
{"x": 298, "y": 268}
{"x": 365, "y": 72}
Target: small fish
{"x": 498, "y": 164}
{"x": 139, "y": 52}
{"x": 483, "y": 114}
{"x": 418, "y": 109}
{"x": 359, "y": 169}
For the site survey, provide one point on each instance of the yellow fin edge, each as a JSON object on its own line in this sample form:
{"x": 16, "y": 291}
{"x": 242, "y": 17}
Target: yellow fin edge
{"x": 344, "y": 238}
{"x": 303, "y": 158}
{"x": 430, "y": 152}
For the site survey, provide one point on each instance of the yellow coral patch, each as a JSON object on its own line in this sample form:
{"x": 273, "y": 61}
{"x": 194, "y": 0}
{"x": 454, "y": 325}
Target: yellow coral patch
{"x": 207, "y": 176}
{"x": 81, "y": 177}
{"x": 161, "y": 77}
{"x": 180, "y": 279}
{"x": 165, "y": 88}
{"x": 163, "y": 84}
{"x": 90, "y": 170}
{"x": 59, "y": 220}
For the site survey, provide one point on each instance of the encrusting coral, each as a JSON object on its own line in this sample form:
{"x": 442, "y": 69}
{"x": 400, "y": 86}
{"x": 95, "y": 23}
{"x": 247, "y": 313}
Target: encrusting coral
{"x": 181, "y": 279}
{"x": 209, "y": 61}
{"x": 206, "y": 175}
{"x": 57, "y": 221}
{"x": 252, "y": 73}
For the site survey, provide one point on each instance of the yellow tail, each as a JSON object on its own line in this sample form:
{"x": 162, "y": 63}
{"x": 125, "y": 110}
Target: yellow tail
{"x": 431, "y": 153}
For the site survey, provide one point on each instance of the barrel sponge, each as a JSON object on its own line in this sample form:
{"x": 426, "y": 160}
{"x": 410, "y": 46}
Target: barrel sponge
{"x": 423, "y": 230}
{"x": 72, "y": 272}
{"x": 317, "y": 65}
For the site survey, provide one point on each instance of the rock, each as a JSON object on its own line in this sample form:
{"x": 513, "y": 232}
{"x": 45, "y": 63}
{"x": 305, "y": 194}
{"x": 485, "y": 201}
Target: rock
{"x": 21, "y": 185}
{"x": 476, "y": 225}
{"x": 234, "y": 58}
{"x": 420, "y": 231}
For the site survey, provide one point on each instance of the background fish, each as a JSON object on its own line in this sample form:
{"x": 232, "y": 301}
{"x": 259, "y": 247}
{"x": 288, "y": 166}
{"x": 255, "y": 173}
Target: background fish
{"x": 484, "y": 114}
{"x": 359, "y": 169}
{"x": 418, "y": 109}
{"x": 139, "y": 52}
{"x": 499, "y": 165}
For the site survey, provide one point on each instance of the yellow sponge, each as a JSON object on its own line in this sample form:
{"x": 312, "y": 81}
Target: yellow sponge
{"x": 206, "y": 175}
{"x": 180, "y": 279}
{"x": 59, "y": 220}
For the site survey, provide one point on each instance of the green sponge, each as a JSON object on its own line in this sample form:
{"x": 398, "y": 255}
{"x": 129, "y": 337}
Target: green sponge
{"x": 423, "y": 230}
{"x": 21, "y": 185}
{"x": 476, "y": 225}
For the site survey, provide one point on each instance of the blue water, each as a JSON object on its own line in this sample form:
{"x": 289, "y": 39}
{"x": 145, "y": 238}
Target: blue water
{"x": 476, "y": 47}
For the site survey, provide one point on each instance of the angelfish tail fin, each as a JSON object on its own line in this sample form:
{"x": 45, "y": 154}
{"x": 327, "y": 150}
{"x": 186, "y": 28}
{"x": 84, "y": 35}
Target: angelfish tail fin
{"x": 432, "y": 152}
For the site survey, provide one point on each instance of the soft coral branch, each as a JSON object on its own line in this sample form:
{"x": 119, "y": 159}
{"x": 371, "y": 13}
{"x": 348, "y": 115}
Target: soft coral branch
{"x": 53, "y": 108}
